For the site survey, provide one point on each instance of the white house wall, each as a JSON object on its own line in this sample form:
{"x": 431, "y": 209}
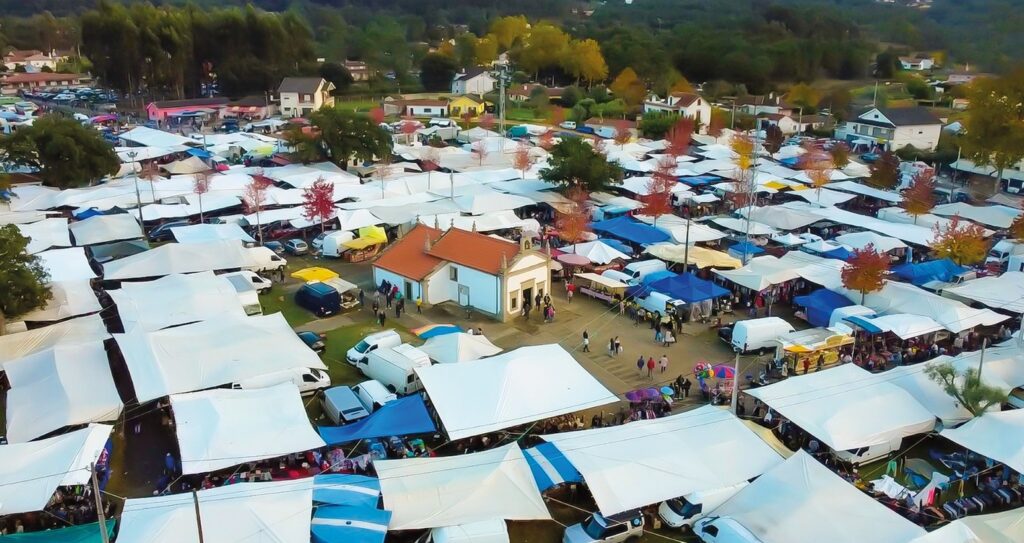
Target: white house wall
{"x": 921, "y": 137}
{"x": 484, "y": 289}
{"x": 539, "y": 274}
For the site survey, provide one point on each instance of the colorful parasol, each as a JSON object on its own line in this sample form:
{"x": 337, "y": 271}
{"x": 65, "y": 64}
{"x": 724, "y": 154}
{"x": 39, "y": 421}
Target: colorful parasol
{"x": 431, "y": 330}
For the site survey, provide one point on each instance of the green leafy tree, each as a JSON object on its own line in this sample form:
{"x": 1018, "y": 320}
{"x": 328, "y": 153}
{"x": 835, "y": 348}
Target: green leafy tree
{"x": 885, "y": 172}
{"x": 343, "y": 135}
{"x": 571, "y": 95}
{"x": 966, "y": 387}
{"x": 65, "y": 153}
{"x": 336, "y": 73}
{"x": 544, "y": 47}
{"x": 437, "y": 72}
{"x": 994, "y": 130}
{"x": 22, "y": 275}
{"x": 575, "y": 164}
{"x": 509, "y": 29}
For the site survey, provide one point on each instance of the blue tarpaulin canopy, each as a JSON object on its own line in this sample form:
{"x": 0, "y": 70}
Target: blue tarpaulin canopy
{"x": 861, "y": 322}
{"x": 839, "y": 253}
{"x": 700, "y": 180}
{"x": 342, "y": 524}
{"x": 404, "y": 416}
{"x": 83, "y": 533}
{"x": 641, "y": 290}
{"x": 688, "y": 288}
{"x": 550, "y": 467}
{"x": 744, "y": 248}
{"x": 345, "y": 489}
{"x": 630, "y": 230}
{"x": 820, "y": 304}
{"x": 199, "y": 153}
{"x": 923, "y": 272}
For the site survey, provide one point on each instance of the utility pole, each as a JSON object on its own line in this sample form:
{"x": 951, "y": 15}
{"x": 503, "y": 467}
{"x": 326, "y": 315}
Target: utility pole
{"x": 100, "y": 516}
{"x": 451, "y": 183}
{"x": 501, "y": 100}
{"x": 138, "y": 197}
{"x": 199, "y": 517}
{"x": 736, "y": 382}
{"x": 874, "y": 97}
{"x": 686, "y": 249}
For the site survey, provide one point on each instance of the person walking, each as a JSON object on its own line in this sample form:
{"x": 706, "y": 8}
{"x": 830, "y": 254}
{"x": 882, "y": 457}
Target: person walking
{"x": 663, "y": 363}
{"x": 611, "y": 347}
{"x": 650, "y": 368}
{"x": 376, "y": 307}
{"x": 399, "y": 306}
{"x": 570, "y": 289}
{"x": 419, "y": 304}
{"x": 381, "y": 317}
{"x": 387, "y": 298}
{"x": 821, "y": 362}
{"x": 807, "y": 366}
{"x": 686, "y": 387}
{"x": 537, "y": 300}
{"x": 640, "y": 364}
{"x": 361, "y": 295}
{"x": 586, "y": 342}
{"x": 618, "y": 346}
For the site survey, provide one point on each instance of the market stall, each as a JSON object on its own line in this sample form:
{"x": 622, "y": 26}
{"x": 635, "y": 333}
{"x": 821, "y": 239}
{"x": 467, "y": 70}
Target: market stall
{"x": 601, "y": 287}
{"x": 810, "y": 345}
{"x": 369, "y": 243}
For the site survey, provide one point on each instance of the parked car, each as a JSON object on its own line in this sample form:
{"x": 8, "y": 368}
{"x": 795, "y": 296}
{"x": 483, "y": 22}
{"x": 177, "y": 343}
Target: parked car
{"x": 568, "y": 125}
{"x": 163, "y": 232}
{"x": 309, "y": 380}
{"x": 870, "y": 158}
{"x": 296, "y": 247}
{"x": 313, "y": 340}
{"x": 261, "y": 284}
{"x": 275, "y": 246}
{"x": 597, "y": 528}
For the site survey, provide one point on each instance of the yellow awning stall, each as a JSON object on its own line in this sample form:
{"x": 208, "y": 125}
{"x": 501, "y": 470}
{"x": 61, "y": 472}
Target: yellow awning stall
{"x": 314, "y": 274}
{"x": 701, "y": 257}
{"x": 810, "y": 344}
{"x": 368, "y": 236}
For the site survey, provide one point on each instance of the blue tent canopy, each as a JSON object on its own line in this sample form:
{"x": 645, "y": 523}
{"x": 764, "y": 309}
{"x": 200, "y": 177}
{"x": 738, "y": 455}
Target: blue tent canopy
{"x": 923, "y": 272}
{"x": 688, "y": 288}
{"x": 744, "y": 248}
{"x": 200, "y": 153}
{"x": 87, "y": 213}
{"x": 401, "y": 417}
{"x": 617, "y": 245}
{"x": 345, "y": 489}
{"x": 641, "y": 290}
{"x": 864, "y": 324}
{"x": 839, "y": 253}
{"x": 630, "y": 230}
{"x": 83, "y": 533}
{"x": 341, "y": 524}
{"x": 700, "y": 180}
{"x": 550, "y": 467}
{"x": 820, "y": 304}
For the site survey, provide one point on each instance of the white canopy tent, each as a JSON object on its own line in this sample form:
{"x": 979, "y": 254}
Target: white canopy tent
{"x": 1003, "y": 292}
{"x": 998, "y": 435}
{"x": 30, "y": 472}
{"x": 823, "y": 197}
{"x": 459, "y": 347}
{"x": 67, "y": 264}
{"x": 488, "y": 222}
{"x": 479, "y": 204}
{"x": 597, "y": 251}
{"x": 647, "y": 461}
{"x": 105, "y": 229}
{"x": 996, "y": 216}
{"x": 860, "y": 240}
{"x": 896, "y": 297}
{"x": 179, "y": 258}
{"x": 904, "y": 325}
{"x": 175, "y": 299}
{"x": 521, "y": 386}
{"x": 212, "y": 353}
{"x": 211, "y": 202}
{"x": 70, "y": 299}
{"x": 802, "y": 501}
{"x": 216, "y": 428}
{"x": 1005, "y": 362}
{"x": 356, "y": 218}
{"x": 143, "y": 136}
{"x": 909, "y": 233}
{"x": 270, "y": 512}
{"x": 676, "y": 227}
{"x": 779, "y": 217}
{"x": 864, "y": 190}
{"x": 61, "y": 386}
{"x": 45, "y": 234}
{"x": 847, "y": 407}
{"x": 760, "y": 273}
{"x": 203, "y": 233}
{"x": 931, "y": 395}
{"x": 1004, "y": 527}
{"x": 740, "y": 225}
{"x": 81, "y": 330}
{"x": 453, "y": 490}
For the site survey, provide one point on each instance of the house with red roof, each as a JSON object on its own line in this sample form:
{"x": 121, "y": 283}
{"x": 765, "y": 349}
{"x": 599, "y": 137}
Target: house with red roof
{"x": 490, "y": 275}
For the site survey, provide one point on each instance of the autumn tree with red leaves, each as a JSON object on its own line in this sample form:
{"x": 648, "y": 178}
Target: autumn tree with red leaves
{"x": 480, "y": 151}
{"x": 919, "y": 198}
{"x": 377, "y": 115}
{"x": 885, "y": 172}
{"x": 658, "y": 200}
{"x": 521, "y": 159}
{"x": 408, "y": 127}
{"x": 486, "y": 121}
{"x": 865, "y": 271}
{"x": 430, "y": 161}
{"x": 573, "y": 219}
{"x": 254, "y": 195}
{"x": 318, "y": 202}
{"x": 817, "y": 164}
{"x": 1016, "y": 229}
{"x": 744, "y": 193}
{"x": 622, "y": 132}
{"x": 961, "y": 241}
{"x": 557, "y": 116}
{"x": 546, "y": 140}
{"x": 200, "y": 186}
{"x": 677, "y": 141}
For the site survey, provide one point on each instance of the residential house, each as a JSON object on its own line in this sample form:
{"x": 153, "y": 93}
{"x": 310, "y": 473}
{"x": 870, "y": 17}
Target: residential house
{"x": 12, "y": 83}
{"x": 419, "y": 107}
{"x": 301, "y": 96}
{"x": 789, "y": 124}
{"x": 490, "y": 275}
{"x": 476, "y": 80}
{"x": 758, "y": 105}
{"x": 164, "y": 110}
{"x": 917, "y": 64}
{"x": 523, "y": 92}
{"x": 962, "y": 78}
{"x": 893, "y": 128}
{"x": 357, "y": 69}
{"x": 251, "y": 107}
{"x": 460, "y": 106}
{"x": 686, "y": 104}
{"x": 31, "y": 59}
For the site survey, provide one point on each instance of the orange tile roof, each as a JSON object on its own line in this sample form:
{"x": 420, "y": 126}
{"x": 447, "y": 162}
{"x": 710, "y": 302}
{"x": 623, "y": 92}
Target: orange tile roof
{"x": 474, "y": 250}
{"x": 408, "y": 257}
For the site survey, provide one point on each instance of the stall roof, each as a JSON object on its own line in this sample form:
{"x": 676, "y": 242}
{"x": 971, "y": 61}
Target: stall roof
{"x": 179, "y": 258}
{"x": 105, "y": 229}
{"x": 45, "y": 234}
{"x": 503, "y": 391}
{"x": 175, "y": 299}
{"x": 453, "y": 490}
{"x": 1004, "y": 527}
{"x": 820, "y": 304}
{"x": 630, "y": 230}
{"x": 997, "y": 435}
{"x": 996, "y": 216}
{"x": 914, "y": 379}
{"x": 81, "y": 330}
{"x": 847, "y": 407}
{"x": 606, "y": 282}
{"x": 346, "y": 489}
{"x": 597, "y": 251}
{"x": 401, "y": 417}
{"x": 688, "y": 288}
{"x": 647, "y": 461}
{"x": 337, "y": 523}
{"x": 864, "y": 190}
{"x": 216, "y": 428}
{"x": 66, "y": 264}
{"x": 212, "y": 353}
{"x": 676, "y": 227}
{"x": 910, "y": 233}
{"x": 30, "y": 472}
{"x": 458, "y": 347}
{"x": 276, "y": 511}
{"x": 860, "y": 240}
{"x": 779, "y": 217}
{"x": 151, "y": 137}
{"x": 1003, "y": 292}
{"x": 65, "y": 385}
{"x": 802, "y": 501}
{"x": 903, "y": 325}
{"x": 760, "y": 273}
{"x": 202, "y": 233}
{"x": 70, "y": 299}
{"x": 701, "y": 257}
{"x": 741, "y": 225}
{"x": 79, "y": 533}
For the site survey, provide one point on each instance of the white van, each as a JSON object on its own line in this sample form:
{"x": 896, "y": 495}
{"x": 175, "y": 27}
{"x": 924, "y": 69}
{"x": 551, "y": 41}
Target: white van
{"x": 660, "y": 304}
{"x": 1003, "y": 250}
{"x": 395, "y": 367}
{"x": 485, "y": 531}
{"x": 373, "y": 394}
{"x": 757, "y": 334}
{"x": 247, "y": 294}
{"x": 342, "y": 406}
{"x": 370, "y": 343}
{"x": 866, "y": 455}
{"x": 616, "y": 275}
{"x": 596, "y": 528}
{"x": 684, "y": 511}
{"x": 265, "y": 260}
{"x": 638, "y": 270}
{"x": 261, "y": 284}
{"x": 723, "y": 530}
{"x": 309, "y": 380}
{"x": 1015, "y": 263}
{"x": 332, "y": 244}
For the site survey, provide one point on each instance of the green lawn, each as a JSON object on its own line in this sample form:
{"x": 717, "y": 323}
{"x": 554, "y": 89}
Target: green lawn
{"x": 522, "y": 114}
{"x": 340, "y": 340}
{"x": 361, "y": 106}
{"x": 278, "y": 300}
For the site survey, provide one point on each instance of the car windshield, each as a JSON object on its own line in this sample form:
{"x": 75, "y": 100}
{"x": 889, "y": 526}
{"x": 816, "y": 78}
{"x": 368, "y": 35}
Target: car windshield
{"x": 362, "y": 346}
{"x": 593, "y": 528}
{"x": 681, "y": 507}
